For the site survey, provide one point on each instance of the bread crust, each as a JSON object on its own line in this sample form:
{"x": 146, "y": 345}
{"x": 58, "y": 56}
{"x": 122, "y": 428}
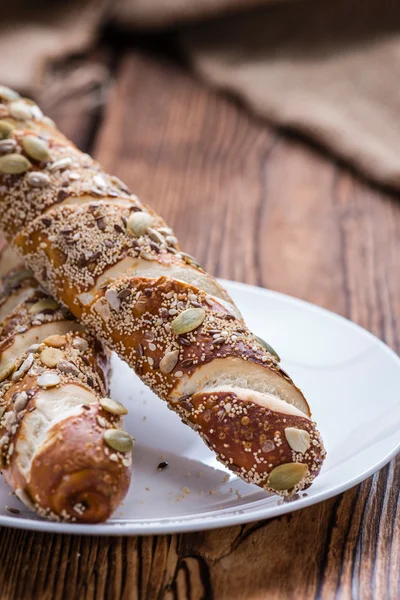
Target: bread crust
{"x": 115, "y": 264}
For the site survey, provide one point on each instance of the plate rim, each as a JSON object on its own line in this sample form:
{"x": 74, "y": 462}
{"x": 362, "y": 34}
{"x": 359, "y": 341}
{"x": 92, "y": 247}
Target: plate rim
{"x": 192, "y": 523}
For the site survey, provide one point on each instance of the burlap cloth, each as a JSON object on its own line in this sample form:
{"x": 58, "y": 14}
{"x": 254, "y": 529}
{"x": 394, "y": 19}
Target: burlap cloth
{"x": 329, "y": 69}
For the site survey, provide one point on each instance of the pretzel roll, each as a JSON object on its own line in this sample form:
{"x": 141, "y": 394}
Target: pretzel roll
{"x": 62, "y": 449}
{"x": 119, "y": 269}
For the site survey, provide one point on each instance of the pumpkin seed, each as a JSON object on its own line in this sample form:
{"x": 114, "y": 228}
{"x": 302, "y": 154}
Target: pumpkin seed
{"x": 155, "y": 235}
{"x": 55, "y": 341}
{"x": 118, "y": 440}
{"x": 267, "y": 347}
{"x": 51, "y": 357}
{"x": 38, "y": 179}
{"x": 24, "y": 368}
{"x": 6, "y": 130}
{"x": 6, "y": 370}
{"x": 286, "y": 476}
{"x": 20, "y": 110}
{"x": 138, "y": 222}
{"x": 7, "y": 146}
{"x": 113, "y": 407}
{"x": 298, "y": 439}
{"x": 14, "y": 164}
{"x": 43, "y": 304}
{"x": 188, "y": 320}
{"x": 48, "y": 380}
{"x": 35, "y": 147}
{"x": 21, "y": 401}
{"x": 8, "y": 94}
{"x": 2, "y": 411}
{"x": 168, "y": 361}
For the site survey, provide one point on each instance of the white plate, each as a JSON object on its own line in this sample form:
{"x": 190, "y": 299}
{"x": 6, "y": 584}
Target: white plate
{"x": 351, "y": 379}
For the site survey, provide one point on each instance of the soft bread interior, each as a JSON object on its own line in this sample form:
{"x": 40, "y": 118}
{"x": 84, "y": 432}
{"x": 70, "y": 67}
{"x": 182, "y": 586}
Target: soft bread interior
{"x": 35, "y": 335}
{"x": 14, "y": 300}
{"x": 268, "y": 401}
{"x": 138, "y": 267}
{"x": 86, "y": 199}
{"x": 241, "y": 375}
{"x": 52, "y": 406}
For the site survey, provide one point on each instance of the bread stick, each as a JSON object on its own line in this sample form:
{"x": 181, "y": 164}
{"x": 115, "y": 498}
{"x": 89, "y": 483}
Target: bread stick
{"x": 116, "y": 265}
{"x": 54, "y": 413}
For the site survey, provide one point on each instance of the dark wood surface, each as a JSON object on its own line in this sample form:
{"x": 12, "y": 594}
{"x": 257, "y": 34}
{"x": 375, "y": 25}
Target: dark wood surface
{"x": 256, "y": 206}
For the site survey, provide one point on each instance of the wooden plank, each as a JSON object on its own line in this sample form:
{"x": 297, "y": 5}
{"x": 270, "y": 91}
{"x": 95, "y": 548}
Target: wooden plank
{"x": 259, "y": 207}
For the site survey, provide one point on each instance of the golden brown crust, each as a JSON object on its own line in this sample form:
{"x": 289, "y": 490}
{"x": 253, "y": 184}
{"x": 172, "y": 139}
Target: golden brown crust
{"x": 119, "y": 269}
{"x": 85, "y": 481}
{"x": 251, "y": 438}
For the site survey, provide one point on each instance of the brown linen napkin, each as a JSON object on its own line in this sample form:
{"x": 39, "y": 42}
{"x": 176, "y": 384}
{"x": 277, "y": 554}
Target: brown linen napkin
{"x": 326, "y": 69}
{"x": 330, "y": 70}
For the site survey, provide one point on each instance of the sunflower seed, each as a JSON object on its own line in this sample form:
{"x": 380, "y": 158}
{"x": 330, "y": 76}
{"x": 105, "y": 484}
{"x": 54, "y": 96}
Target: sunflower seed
{"x": 36, "y": 148}
{"x": 113, "y": 407}
{"x": 187, "y": 363}
{"x": 6, "y": 129}
{"x": 113, "y": 300}
{"x": 21, "y": 401}
{"x": 38, "y": 179}
{"x": 48, "y": 380}
{"x": 155, "y": 236}
{"x": 20, "y": 110}
{"x": 168, "y": 361}
{"x": 6, "y": 370}
{"x": 61, "y": 164}
{"x": 188, "y": 320}
{"x": 8, "y": 94}
{"x": 24, "y": 368}
{"x": 14, "y": 164}
{"x": 138, "y": 222}
{"x": 298, "y": 439}
{"x": 118, "y": 440}
{"x": 218, "y": 341}
{"x": 267, "y": 347}
{"x": 124, "y": 294}
{"x": 171, "y": 239}
{"x": 68, "y": 368}
{"x": 286, "y": 476}
{"x": 80, "y": 344}
{"x": 7, "y": 146}
{"x": 100, "y": 182}
{"x": 33, "y": 349}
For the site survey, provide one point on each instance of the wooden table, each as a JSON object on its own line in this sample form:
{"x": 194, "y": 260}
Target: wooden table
{"x": 261, "y": 207}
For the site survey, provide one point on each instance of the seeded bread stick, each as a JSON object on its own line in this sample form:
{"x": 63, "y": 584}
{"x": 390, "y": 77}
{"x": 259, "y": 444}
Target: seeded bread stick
{"x": 119, "y": 269}
{"x": 62, "y": 451}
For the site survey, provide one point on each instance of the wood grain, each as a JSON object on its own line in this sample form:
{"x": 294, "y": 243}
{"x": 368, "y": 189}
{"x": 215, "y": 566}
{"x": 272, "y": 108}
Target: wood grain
{"x": 261, "y": 207}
